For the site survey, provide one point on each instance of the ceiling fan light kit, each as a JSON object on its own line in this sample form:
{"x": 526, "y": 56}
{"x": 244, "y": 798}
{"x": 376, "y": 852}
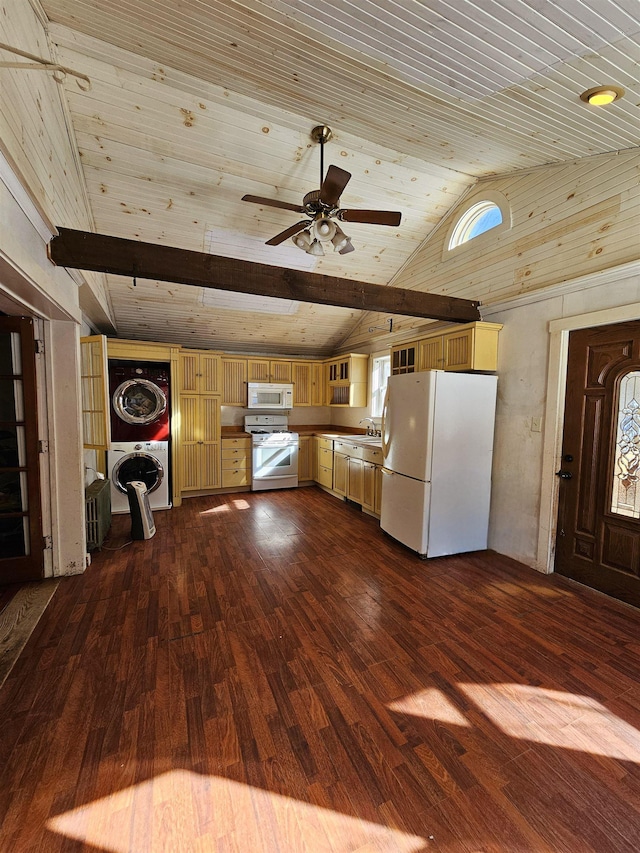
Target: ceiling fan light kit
{"x": 322, "y": 208}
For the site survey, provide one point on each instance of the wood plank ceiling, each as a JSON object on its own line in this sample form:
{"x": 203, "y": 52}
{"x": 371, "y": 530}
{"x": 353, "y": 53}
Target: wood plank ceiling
{"x": 194, "y": 104}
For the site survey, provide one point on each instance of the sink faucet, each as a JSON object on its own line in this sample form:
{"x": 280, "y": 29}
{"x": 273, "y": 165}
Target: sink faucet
{"x": 371, "y": 430}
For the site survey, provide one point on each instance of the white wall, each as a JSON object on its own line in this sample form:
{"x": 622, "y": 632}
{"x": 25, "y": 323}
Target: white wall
{"x": 524, "y": 488}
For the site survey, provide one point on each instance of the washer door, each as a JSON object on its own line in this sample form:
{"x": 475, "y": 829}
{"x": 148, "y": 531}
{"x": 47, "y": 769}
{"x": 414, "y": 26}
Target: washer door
{"x": 139, "y": 401}
{"x": 137, "y": 466}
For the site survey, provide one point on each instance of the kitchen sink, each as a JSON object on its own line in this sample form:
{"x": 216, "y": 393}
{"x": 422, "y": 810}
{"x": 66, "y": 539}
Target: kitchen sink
{"x": 367, "y": 439}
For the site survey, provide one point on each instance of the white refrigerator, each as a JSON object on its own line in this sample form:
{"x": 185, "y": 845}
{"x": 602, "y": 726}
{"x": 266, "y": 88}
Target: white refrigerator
{"x": 437, "y": 441}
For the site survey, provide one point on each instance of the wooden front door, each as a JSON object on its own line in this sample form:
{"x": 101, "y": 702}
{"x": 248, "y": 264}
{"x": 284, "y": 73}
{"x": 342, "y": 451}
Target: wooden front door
{"x": 21, "y": 544}
{"x": 598, "y": 540}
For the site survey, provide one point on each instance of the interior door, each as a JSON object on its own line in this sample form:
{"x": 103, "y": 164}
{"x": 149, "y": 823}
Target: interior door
{"x": 21, "y": 543}
{"x": 598, "y": 540}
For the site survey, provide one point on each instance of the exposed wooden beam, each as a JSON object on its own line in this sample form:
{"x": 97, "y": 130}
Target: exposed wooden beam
{"x": 87, "y": 251}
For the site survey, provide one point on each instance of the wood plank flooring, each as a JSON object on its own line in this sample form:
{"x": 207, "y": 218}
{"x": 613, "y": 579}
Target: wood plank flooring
{"x": 272, "y": 674}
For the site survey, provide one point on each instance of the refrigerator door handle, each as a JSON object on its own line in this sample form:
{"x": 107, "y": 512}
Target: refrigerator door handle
{"x": 383, "y": 429}
{"x": 387, "y": 471}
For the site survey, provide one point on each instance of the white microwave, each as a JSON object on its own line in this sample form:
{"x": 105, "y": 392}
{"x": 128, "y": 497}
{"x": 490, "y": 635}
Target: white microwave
{"x": 266, "y": 395}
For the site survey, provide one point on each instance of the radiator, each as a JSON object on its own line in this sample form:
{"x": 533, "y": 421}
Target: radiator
{"x": 98, "y": 512}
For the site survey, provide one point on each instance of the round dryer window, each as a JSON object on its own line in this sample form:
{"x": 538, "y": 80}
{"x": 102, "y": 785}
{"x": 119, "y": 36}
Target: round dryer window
{"x": 139, "y": 401}
{"x": 137, "y": 466}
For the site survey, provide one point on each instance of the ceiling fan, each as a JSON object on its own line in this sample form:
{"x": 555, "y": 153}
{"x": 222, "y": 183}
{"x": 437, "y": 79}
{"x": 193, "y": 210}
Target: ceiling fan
{"x": 322, "y": 206}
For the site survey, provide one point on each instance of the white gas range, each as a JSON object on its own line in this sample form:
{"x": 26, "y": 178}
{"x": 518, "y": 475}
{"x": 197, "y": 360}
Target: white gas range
{"x": 274, "y": 456}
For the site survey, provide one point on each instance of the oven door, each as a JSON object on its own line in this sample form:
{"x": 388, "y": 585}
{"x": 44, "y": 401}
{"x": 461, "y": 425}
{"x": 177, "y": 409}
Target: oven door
{"x": 275, "y": 466}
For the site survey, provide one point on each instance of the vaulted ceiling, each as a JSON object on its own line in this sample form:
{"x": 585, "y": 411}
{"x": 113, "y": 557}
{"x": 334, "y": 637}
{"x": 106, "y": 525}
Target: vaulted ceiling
{"x": 194, "y": 104}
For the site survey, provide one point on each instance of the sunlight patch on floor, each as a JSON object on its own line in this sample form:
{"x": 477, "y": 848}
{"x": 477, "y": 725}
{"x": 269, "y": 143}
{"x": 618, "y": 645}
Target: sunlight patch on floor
{"x": 556, "y": 718}
{"x": 431, "y": 704}
{"x": 550, "y": 717}
{"x": 184, "y": 812}
{"x": 237, "y": 503}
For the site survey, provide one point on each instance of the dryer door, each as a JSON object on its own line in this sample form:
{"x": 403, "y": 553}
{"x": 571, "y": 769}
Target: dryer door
{"x": 139, "y": 401}
{"x": 137, "y": 466}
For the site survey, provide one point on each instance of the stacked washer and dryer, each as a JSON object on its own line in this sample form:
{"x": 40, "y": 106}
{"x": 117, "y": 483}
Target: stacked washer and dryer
{"x": 140, "y": 432}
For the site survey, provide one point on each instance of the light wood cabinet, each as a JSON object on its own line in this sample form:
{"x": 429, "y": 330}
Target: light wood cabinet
{"x": 372, "y": 479}
{"x": 234, "y": 381}
{"x": 308, "y": 386}
{"x": 140, "y": 350}
{"x": 318, "y": 390}
{"x": 305, "y": 457}
{"x": 199, "y": 442}
{"x": 199, "y": 372}
{"x": 346, "y": 380}
{"x": 369, "y": 485}
{"x": 404, "y": 358}
{"x": 347, "y": 470}
{"x": 280, "y": 371}
{"x": 470, "y": 347}
{"x": 377, "y": 507}
{"x": 430, "y": 354}
{"x": 268, "y": 370}
{"x": 355, "y": 479}
{"x": 340, "y": 473}
{"x": 324, "y": 462}
{"x": 236, "y": 462}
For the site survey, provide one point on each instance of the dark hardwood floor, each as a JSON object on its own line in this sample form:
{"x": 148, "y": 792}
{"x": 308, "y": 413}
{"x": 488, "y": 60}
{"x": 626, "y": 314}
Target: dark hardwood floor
{"x": 271, "y": 674}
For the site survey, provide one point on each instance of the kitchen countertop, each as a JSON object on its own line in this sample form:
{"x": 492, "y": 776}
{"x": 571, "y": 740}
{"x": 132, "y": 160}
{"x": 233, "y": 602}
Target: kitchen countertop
{"x": 302, "y": 429}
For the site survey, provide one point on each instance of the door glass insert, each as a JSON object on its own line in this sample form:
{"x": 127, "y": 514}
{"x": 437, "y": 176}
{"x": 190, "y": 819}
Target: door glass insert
{"x": 139, "y": 401}
{"x": 138, "y": 466}
{"x": 625, "y": 494}
{"x": 14, "y": 506}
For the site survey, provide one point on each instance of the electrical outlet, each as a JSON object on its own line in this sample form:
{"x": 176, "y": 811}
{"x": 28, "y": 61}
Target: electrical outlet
{"x": 536, "y": 424}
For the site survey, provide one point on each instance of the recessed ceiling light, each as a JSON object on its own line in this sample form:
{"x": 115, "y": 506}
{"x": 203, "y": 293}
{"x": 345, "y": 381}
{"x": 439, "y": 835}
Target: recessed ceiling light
{"x": 601, "y": 95}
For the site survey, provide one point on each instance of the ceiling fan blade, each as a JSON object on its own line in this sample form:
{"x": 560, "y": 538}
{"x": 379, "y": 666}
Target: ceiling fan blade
{"x": 335, "y": 181}
{"x": 372, "y": 217}
{"x": 271, "y": 202}
{"x": 289, "y": 232}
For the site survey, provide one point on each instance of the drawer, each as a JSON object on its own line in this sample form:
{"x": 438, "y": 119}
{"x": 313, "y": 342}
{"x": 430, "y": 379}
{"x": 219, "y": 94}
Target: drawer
{"x": 230, "y": 464}
{"x": 235, "y": 477}
{"x": 354, "y": 451}
{"x": 325, "y": 477}
{"x": 228, "y": 443}
{"x": 240, "y": 454}
{"x": 326, "y": 443}
{"x": 372, "y": 454}
{"x": 325, "y": 457}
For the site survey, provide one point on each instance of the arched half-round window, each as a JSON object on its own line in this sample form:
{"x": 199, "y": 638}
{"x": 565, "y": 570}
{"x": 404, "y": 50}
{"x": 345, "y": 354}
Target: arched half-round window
{"x": 480, "y": 217}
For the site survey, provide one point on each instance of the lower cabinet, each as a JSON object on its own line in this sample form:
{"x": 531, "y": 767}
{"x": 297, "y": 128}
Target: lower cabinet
{"x": 236, "y": 462}
{"x": 324, "y": 462}
{"x": 340, "y": 473}
{"x": 355, "y": 479}
{"x": 372, "y": 486}
{"x": 305, "y": 457}
{"x": 357, "y": 474}
{"x": 199, "y": 456}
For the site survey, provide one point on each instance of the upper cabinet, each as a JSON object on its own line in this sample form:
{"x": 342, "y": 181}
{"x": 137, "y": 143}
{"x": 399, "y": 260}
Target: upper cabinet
{"x": 404, "y": 358}
{"x": 268, "y": 370}
{"x": 473, "y": 346}
{"x": 308, "y": 383}
{"x": 346, "y": 380}
{"x": 234, "y": 381}
{"x": 200, "y": 372}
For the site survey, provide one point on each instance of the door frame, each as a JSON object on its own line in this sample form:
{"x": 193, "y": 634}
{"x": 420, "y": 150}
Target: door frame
{"x": 554, "y": 417}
